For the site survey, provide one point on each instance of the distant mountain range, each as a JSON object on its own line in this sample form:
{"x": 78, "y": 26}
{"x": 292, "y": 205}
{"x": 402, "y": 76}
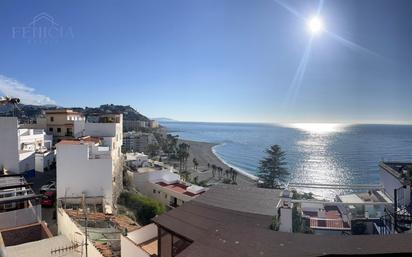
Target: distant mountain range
{"x": 30, "y": 112}
{"x": 163, "y": 119}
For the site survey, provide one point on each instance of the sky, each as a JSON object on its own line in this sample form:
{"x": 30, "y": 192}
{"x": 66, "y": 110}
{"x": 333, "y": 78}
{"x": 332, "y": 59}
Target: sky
{"x": 213, "y": 60}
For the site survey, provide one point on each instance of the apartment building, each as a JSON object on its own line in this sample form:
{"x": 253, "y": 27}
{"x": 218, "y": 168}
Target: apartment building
{"x": 60, "y": 123}
{"x": 138, "y": 141}
{"x": 134, "y": 125}
{"x": 23, "y": 150}
{"x": 92, "y": 163}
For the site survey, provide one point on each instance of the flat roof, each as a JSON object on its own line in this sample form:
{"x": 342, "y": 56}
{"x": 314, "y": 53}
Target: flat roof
{"x": 178, "y": 188}
{"x": 396, "y": 170}
{"x": 81, "y": 140}
{"x": 217, "y": 231}
{"x": 43, "y": 248}
{"x": 242, "y": 198}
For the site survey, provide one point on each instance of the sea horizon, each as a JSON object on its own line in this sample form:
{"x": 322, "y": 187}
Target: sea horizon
{"x": 316, "y": 153}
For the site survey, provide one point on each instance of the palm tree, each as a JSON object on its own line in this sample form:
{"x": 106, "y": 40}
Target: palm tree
{"x": 183, "y": 155}
{"x": 213, "y": 170}
{"x": 195, "y": 163}
{"x": 272, "y": 170}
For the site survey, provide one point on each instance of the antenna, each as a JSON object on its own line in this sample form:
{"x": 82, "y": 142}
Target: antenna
{"x": 64, "y": 249}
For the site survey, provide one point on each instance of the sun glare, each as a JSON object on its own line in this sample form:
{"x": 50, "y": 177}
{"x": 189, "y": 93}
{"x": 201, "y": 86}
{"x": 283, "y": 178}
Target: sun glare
{"x": 315, "y": 25}
{"x": 318, "y": 128}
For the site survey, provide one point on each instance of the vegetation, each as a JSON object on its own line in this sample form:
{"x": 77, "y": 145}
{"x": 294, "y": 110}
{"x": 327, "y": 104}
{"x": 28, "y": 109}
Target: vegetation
{"x": 152, "y": 150}
{"x": 296, "y": 220}
{"x": 183, "y": 155}
{"x": 275, "y": 223}
{"x": 143, "y": 208}
{"x": 272, "y": 171}
{"x": 302, "y": 196}
{"x": 169, "y": 145}
{"x": 195, "y": 164}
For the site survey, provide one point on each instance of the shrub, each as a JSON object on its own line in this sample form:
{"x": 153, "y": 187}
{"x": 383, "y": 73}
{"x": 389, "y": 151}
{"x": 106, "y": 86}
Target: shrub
{"x": 227, "y": 181}
{"x": 144, "y": 208}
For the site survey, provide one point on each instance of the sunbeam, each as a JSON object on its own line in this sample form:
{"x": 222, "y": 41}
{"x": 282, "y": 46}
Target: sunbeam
{"x": 300, "y": 72}
{"x": 351, "y": 45}
{"x": 289, "y": 9}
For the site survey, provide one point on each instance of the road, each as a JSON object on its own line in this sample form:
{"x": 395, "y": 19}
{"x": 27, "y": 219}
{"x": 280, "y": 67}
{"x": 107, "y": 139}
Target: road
{"x": 48, "y": 213}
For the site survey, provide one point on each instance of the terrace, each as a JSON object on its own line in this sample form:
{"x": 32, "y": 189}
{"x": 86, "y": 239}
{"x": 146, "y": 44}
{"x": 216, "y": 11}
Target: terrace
{"x": 325, "y": 217}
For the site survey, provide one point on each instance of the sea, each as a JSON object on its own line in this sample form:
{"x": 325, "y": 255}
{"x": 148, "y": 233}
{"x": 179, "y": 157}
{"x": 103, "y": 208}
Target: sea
{"x": 316, "y": 153}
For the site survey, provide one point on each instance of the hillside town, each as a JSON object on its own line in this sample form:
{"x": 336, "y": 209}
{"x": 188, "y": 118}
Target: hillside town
{"x": 98, "y": 185}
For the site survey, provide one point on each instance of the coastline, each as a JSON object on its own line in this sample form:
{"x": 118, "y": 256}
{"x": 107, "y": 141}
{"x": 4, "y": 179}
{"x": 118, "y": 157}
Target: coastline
{"x": 241, "y": 171}
{"x": 205, "y": 154}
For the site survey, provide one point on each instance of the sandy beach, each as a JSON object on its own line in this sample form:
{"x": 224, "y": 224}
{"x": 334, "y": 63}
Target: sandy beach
{"x": 202, "y": 151}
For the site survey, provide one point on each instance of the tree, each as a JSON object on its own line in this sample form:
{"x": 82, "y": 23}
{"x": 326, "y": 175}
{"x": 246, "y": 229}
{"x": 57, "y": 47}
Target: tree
{"x": 195, "y": 164}
{"x": 272, "y": 170}
{"x": 152, "y": 150}
{"x": 144, "y": 208}
{"x": 170, "y": 145}
{"x": 213, "y": 170}
{"x": 183, "y": 155}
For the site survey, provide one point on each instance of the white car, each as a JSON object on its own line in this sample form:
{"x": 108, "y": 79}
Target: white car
{"x": 51, "y": 186}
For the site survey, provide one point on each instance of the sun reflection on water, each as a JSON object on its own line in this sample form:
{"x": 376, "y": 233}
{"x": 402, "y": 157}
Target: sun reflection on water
{"x": 318, "y": 164}
{"x": 319, "y": 128}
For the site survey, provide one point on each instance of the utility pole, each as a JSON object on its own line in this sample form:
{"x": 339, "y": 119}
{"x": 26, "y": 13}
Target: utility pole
{"x": 85, "y": 222}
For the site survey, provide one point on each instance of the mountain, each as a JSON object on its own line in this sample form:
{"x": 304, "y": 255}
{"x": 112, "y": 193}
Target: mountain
{"x": 163, "y": 119}
{"x": 30, "y": 112}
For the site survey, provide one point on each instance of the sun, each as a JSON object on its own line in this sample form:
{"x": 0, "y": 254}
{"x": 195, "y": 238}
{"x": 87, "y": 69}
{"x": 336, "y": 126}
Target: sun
{"x": 315, "y": 25}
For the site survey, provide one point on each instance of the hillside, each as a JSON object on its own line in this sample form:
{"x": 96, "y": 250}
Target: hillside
{"x": 30, "y": 112}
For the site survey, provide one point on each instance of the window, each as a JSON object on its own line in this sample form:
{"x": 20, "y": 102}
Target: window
{"x": 51, "y": 129}
{"x": 59, "y": 130}
{"x": 154, "y": 191}
{"x": 165, "y": 196}
{"x": 51, "y": 118}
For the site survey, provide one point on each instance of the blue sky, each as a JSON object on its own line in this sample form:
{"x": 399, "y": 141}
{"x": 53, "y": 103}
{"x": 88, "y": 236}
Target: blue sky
{"x": 214, "y": 60}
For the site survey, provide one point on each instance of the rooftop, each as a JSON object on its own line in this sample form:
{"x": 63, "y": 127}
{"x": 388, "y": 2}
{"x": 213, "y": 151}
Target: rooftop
{"x": 214, "y": 231}
{"x": 242, "y": 198}
{"x": 81, "y": 140}
{"x": 327, "y": 218}
{"x": 62, "y": 111}
{"x": 104, "y": 230}
{"x": 372, "y": 196}
{"x": 181, "y": 188}
{"x": 42, "y": 248}
{"x": 400, "y": 170}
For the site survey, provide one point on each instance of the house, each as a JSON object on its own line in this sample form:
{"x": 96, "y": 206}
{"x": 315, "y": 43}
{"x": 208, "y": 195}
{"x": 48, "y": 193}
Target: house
{"x": 92, "y": 163}
{"x": 60, "y": 123}
{"x": 23, "y": 150}
{"x": 165, "y": 186}
{"x": 136, "y": 160}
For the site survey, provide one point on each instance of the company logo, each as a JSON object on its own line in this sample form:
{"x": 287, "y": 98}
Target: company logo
{"x": 42, "y": 29}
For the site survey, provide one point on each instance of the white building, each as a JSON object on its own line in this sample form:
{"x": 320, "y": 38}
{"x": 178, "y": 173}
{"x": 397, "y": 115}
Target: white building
{"x": 165, "y": 186}
{"x": 138, "y": 141}
{"x": 137, "y": 160}
{"x": 92, "y": 164}
{"x": 23, "y": 150}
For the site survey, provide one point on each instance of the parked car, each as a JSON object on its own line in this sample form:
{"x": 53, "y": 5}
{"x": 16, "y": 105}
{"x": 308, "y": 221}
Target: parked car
{"x": 48, "y": 199}
{"x": 50, "y": 186}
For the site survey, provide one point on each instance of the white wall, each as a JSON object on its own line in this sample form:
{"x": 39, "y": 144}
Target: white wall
{"x": 9, "y": 156}
{"x": 77, "y": 174}
{"x": 67, "y": 227}
{"x": 389, "y": 182}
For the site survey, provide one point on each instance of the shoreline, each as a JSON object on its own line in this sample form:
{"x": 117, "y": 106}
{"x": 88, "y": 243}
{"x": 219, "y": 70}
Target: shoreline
{"x": 241, "y": 171}
{"x": 205, "y": 154}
